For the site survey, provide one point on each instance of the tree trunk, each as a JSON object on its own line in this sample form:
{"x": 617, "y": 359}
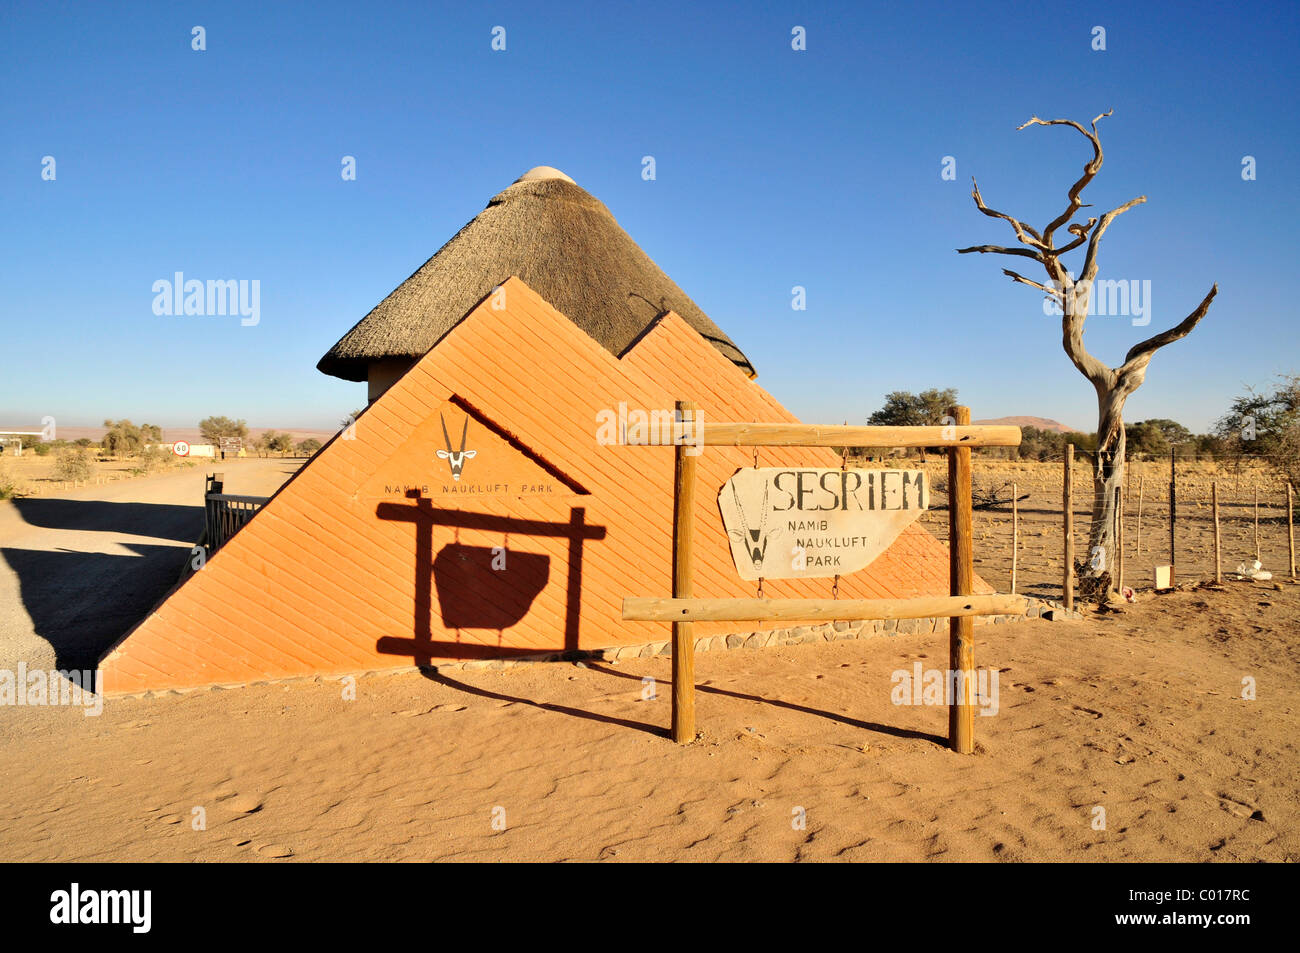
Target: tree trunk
{"x": 1094, "y": 570}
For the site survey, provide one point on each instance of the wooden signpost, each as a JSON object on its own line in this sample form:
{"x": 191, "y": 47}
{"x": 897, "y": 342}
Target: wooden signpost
{"x": 959, "y": 606}
{"x": 683, "y": 727}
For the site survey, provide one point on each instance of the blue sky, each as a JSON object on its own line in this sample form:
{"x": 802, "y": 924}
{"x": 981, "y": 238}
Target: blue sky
{"x": 775, "y": 168}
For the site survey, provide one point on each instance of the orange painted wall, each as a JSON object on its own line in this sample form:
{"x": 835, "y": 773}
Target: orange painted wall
{"x": 374, "y": 557}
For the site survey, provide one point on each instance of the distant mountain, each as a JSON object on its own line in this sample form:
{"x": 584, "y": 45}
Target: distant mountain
{"x": 1042, "y": 423}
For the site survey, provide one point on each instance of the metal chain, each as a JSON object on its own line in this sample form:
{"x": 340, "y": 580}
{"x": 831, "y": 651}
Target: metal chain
{"x": 760, "y": 587}
{"x": 835, "y": 587}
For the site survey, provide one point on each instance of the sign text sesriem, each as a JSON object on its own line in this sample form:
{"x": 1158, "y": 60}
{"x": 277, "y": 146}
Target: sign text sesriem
{"x": 811, "y": 522}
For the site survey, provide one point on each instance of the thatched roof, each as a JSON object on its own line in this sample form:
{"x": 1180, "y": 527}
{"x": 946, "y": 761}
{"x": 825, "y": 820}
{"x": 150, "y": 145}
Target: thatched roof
{"x": 563, "y": 243}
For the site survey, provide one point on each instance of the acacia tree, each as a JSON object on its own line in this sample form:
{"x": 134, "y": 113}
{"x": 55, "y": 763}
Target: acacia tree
{"x": 1073, "y": 295}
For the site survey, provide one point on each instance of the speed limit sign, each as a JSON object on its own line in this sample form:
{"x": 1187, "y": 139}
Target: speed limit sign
{"x": 181, "y": 448}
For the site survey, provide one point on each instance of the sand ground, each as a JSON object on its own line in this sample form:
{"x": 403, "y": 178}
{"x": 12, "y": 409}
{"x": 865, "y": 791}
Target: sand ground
{"x": 802, "y": 754}
{"x": 1140, "y": 714}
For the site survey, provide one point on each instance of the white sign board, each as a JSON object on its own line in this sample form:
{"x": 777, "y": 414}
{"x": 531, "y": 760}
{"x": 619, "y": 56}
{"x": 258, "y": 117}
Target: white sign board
{"x": 791, "y": 523}
{"x": 181, "y": 448}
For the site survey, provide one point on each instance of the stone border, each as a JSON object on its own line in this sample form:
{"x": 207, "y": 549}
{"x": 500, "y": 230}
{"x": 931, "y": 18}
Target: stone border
{"x": 796, "y": 635}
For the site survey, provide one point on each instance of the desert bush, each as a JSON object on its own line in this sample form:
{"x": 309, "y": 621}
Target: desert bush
{"x": 72, "y": 465}
{"x": 154, "y": 458}
{"x": 8, "y": 486}
{"x": 1267, "y": 425}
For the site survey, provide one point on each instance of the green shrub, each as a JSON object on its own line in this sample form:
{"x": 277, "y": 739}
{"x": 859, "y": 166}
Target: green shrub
{"x": 73, "y": 465}
{"x": 154, "y": 458}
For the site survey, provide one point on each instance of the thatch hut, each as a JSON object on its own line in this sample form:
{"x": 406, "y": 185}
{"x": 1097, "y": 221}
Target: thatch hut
{"x": 471, "y": 513}
{"x": 562, "y": 242}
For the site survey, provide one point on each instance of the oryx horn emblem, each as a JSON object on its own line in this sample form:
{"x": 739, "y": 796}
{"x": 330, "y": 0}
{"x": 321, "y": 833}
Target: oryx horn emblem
{"x": 455, "y": 458}
{"x": 754, "y": 540}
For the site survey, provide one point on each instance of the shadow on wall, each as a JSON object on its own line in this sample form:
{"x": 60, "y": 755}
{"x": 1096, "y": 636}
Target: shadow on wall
{"x": 471, "y": 594}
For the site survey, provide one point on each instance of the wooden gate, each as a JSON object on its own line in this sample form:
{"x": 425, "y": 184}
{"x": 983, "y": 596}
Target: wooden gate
{"x": 225, "y": 513}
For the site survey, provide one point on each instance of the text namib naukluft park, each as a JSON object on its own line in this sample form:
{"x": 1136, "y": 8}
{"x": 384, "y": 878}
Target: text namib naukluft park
{"x": 789, "y": 523}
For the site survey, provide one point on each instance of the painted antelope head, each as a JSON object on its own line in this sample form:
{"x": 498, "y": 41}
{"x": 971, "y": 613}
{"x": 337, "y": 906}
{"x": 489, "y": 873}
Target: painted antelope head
{"x": 455, "y": 458}
{"x": 753, "y": 540}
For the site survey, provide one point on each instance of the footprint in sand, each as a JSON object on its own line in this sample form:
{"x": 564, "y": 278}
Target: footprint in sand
{"x": 1237, "y": 807}
{"x": 1079, "y": 709}
{"x": 274, "y": 850}
{"x": 245, "y": 804}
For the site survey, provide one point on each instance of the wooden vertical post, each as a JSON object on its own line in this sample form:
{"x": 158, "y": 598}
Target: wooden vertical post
{"x": 961, "y": 579}
{"x": 1290, "y": 526}
{"x": 1118, "y": 555}
{"x": 1137, "y": 543}
{"x": 1173, "y": 513}
{"x": 1067, "y": 583}
{"x": 683, "y": 728}
{"x": 1214, "y": 507}
{"x": 1256, "y": 522}
{"x": 1015, "y": 534}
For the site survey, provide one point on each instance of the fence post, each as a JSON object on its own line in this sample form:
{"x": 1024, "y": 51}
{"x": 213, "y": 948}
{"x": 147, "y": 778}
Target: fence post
{"x": 1119, "y": 538}
{"x": 1173, "y": 513}
{"x": 1256, "y": 488}
{"x": 1137, "y": 543}
{"x": 961, "y": 579}
{"x": 1214, "y": 506}
{"x": 1067, "y": 583}
{"x": 1290, "y": 527}
{"x": 683, "y": 726}
{"x": 1015, "y": 535}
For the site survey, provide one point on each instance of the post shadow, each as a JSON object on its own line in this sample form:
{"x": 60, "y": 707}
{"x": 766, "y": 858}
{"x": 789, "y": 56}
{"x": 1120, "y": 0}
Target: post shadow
{"x": 891, "y": 730}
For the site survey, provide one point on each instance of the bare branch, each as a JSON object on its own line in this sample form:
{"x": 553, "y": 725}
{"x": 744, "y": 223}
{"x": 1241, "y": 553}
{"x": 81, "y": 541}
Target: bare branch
{"x": 1080, "y": 233}
{"x": 1027, "y": 281}
{"x": 1089, "y": 170}
{"x": 1090, "y": 259}
{"x": 1027, "y": 234}
{"x": 1142, "y": 352}
{"x": 1000, "y": 250}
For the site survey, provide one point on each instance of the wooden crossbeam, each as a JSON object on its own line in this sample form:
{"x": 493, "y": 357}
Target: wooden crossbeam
{"x": 663, "y": 609}
{"x": 814, "y": 435}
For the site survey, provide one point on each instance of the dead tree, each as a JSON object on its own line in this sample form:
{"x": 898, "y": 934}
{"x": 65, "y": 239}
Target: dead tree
{"x": 1073, "y": 296}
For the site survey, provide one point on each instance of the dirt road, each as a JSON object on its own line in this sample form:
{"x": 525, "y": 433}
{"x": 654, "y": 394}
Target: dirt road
{"x": 79, "y": 569}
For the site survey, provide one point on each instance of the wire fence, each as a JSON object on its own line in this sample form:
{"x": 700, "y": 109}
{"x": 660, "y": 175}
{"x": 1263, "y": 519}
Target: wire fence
{"x": 1253, "y": 521}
